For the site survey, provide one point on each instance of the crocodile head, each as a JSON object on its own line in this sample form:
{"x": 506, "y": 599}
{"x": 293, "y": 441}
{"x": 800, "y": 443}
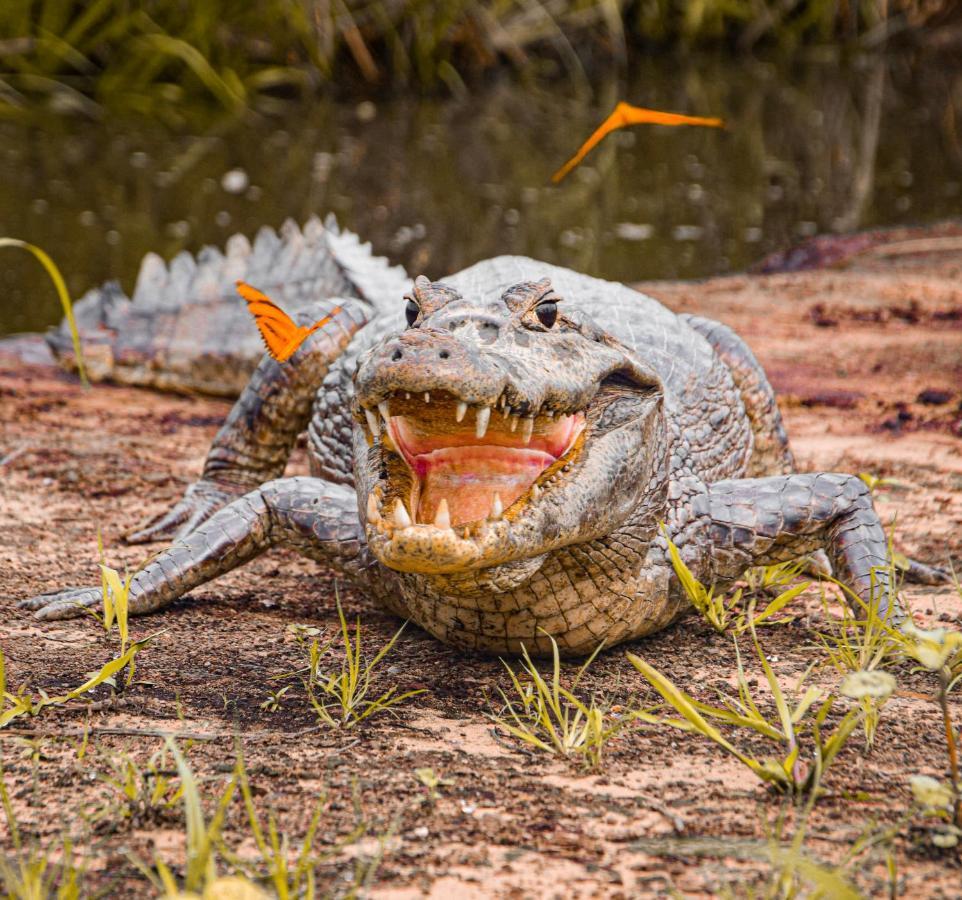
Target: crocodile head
{"x": 492, "y": 431}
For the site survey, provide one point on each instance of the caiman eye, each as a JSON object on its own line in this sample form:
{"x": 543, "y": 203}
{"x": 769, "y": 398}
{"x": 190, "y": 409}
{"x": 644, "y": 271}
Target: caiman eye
{"x": 411, "y": 312}
{"x": 547, "y": 313}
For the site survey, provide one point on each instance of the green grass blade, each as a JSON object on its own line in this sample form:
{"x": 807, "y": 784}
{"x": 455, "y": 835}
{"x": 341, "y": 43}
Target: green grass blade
{"x": 780, "y": 602}
{"x": 784, "y": 714}
{"x": 227, "y": 91}
{"x": 62, "y": 293}
{"x": 108, "y": 671}
{"x": 683, "y": 704}
{"x": 755, "y": 722}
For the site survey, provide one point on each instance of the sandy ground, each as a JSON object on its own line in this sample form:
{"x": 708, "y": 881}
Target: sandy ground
{"x": 867, "y": 359}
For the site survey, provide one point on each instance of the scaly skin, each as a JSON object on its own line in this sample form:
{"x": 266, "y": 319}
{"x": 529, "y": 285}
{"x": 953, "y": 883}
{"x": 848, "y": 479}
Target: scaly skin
{"x": 658, "y": 420}
{"x": 184, "y": 328}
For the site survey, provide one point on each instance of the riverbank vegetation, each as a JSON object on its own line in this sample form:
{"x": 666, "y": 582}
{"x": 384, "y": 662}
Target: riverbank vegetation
{"x": 143, "y": 57}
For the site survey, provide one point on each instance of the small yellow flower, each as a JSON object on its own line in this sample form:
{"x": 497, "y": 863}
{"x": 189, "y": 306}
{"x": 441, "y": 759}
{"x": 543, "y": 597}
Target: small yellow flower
{"x": 948, "y": 838}
{"x": 875, "y": 684}
{"x": 934, "y": 647}
{"x": 931, "y": 793}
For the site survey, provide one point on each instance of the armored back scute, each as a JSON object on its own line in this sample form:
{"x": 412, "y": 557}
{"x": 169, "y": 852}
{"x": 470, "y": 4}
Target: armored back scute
{"x": 186, "y": 329}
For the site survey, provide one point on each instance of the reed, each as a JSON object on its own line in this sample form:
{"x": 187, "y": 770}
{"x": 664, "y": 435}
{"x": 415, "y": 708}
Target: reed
{"x": 153, "y": 56}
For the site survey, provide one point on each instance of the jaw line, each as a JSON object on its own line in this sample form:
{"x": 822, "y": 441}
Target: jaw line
{"x": 426, "y": 549}
{"x": 496, "y": 455}
{"x": 520, "y": 534}
{"x": 429, "y": 550}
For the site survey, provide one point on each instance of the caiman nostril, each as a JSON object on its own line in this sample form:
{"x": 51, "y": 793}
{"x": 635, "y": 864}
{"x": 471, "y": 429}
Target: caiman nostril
{"x": 488, "y": 332}
{"x": 396, "y": 355}
{"x": 444, "y": 354}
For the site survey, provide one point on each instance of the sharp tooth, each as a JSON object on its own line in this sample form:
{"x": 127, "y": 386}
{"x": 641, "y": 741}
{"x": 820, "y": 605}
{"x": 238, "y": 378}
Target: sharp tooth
{"x": 401, "y": 517}
{"x": 526, "y": 430}
{"x": 385, "y": 410}
{"x": 372, "y": 511}
{"x": 496, "y": 508}
{"x": 535, "y": 492}
{"x": 427, "y": 397}
{"x": 372, "y": 422}
{"x": 481, "y": 425}
{"x": 501, "y": 400}
{"x": 514, "y": 422}
{"x": 462, "y": 411}
{"x": 442, "y": 518}
{"x": 507, "y": 411}
{"x": 407, "y": 395}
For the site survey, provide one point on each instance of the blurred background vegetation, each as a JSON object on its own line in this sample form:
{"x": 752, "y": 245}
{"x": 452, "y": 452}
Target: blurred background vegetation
{"x": 159, "y": 57}
{"x": 432, "y": 128}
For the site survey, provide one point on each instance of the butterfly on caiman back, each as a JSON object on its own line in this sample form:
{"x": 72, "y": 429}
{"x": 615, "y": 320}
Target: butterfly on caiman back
{"x": 280, "y": 333}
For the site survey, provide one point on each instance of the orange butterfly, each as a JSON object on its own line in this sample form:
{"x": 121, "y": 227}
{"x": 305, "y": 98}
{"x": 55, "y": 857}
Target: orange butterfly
{"x": 625, "y": 114}
{"x": 281, "y": 334}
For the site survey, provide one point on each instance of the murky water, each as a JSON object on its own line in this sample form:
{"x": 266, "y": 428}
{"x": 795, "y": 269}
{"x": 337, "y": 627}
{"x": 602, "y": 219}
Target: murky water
{"x": 439, "y": 183}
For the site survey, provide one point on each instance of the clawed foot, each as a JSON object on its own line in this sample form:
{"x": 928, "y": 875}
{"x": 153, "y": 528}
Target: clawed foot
{"x": 201, "y": 500}
{"x": 66, "y": 603}
{"x": 913, "y": 571}
{"x": 916, "y": 572}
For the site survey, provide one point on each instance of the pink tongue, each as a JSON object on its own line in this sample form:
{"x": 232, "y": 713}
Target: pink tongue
{"x": 469, "y": 477}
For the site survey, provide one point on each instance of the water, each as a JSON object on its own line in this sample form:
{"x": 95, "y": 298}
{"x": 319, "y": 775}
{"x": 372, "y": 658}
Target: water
{"x": 437, "y": 183}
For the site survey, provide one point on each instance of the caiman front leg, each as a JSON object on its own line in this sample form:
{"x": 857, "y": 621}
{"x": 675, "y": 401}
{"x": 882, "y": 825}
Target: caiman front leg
{"x": 255, "y": 441}
{"x": 310, "y": 515}
{"x": 761, "y": 521}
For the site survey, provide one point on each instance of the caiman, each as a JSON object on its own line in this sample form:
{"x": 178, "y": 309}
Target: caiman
{"x": 501, "y": 456}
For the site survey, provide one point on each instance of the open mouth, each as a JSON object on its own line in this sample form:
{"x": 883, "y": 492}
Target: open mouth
{"x": 463, "y": 465}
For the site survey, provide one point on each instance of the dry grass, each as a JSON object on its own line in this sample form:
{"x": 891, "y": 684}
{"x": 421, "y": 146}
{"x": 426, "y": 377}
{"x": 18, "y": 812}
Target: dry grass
{"x": 550, "y": 717}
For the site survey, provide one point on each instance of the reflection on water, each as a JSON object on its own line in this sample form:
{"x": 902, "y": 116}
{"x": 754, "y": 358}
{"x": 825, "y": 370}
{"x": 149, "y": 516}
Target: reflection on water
{"x": 439, "y": 183}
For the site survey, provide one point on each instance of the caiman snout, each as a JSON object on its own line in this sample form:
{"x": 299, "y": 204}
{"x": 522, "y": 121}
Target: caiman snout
{"x": 423, "y": 360}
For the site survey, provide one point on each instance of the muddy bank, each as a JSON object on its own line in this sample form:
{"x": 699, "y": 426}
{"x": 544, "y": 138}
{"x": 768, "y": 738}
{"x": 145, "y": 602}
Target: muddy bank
{"x": 868, "y": 363}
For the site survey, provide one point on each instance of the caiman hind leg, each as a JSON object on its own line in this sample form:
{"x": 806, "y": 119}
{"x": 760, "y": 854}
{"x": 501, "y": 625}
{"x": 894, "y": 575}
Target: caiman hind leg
{"x": 255, "y": 442}
{"x": 761, "y": 521}
{"x": 310, "y": 515}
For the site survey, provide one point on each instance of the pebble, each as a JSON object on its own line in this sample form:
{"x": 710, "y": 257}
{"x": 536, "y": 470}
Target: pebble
{"x": 933, "y": 397}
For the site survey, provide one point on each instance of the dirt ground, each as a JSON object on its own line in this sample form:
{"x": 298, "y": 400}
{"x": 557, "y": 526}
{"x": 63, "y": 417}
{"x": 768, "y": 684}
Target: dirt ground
{"x": 867, "y": 359}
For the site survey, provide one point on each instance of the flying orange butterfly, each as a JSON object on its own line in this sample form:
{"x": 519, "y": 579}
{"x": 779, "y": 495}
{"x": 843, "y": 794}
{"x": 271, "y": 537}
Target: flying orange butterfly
{"x": 625, "y": 114}
{"x": 281, "y": 334}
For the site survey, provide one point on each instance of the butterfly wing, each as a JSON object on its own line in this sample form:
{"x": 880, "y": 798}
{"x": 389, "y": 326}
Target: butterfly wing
{"x": 281, "y": 334}
{"x": 625, "y": 114}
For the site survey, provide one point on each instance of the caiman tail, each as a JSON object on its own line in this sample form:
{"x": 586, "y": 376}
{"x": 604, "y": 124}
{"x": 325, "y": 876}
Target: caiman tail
{"x": 185, "y": 328}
